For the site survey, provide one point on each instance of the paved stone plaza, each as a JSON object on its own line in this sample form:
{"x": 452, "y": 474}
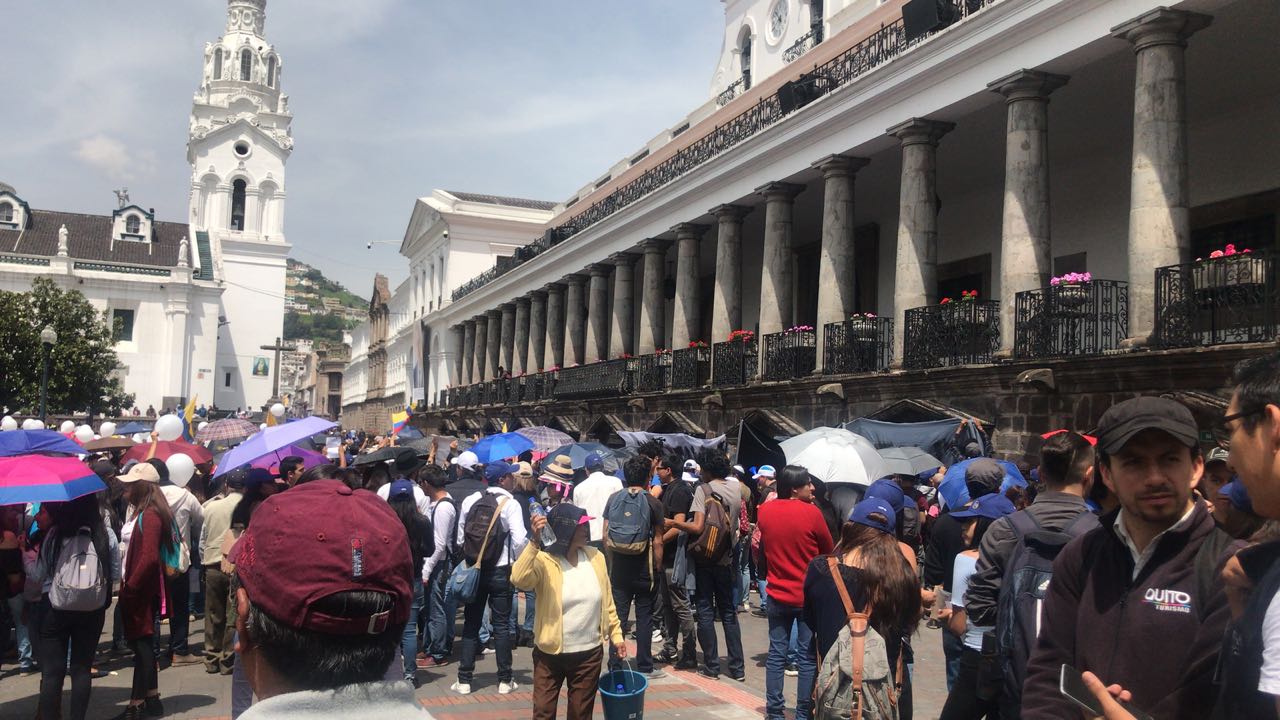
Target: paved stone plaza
{"x": 190, "y": 693}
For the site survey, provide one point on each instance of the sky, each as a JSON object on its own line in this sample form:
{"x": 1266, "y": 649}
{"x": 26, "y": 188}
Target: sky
{"x": 391, "y": 99}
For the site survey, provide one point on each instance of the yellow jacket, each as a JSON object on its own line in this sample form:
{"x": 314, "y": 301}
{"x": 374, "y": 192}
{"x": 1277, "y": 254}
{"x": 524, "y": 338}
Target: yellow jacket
{"x": 540, "y": 572}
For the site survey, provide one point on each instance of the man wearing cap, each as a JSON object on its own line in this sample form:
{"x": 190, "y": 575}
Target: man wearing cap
{"x": 592, "y": 494}
{"x": 441, "y": 607}
{"x": 322, "y": 595}
{"x": 495, "y": 582}
{"x": 218, "y": 654}
{"x": 1137, "y": 600}
{"x": 677, "y": 610}
{"x": 405, "y": 467}
{"x": 766, "y": 479}
{"x": 1233, "y": 511}
{"x": 1217, "y": 472}
{"x": 469, "y": 478}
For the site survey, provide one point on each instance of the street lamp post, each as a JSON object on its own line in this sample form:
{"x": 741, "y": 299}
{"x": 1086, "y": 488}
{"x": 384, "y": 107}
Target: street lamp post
{"x": 48, "y": 338}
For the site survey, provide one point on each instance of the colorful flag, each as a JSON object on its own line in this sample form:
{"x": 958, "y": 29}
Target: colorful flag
{"x": 188, "y": 420}
{"x": 399, "y": 421}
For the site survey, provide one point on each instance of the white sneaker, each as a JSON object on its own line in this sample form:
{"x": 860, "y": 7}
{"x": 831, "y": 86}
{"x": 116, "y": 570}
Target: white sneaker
{"x": 505, "y": 688}
{"x": 657, "y": 637}
{"x": 461, "y": 688}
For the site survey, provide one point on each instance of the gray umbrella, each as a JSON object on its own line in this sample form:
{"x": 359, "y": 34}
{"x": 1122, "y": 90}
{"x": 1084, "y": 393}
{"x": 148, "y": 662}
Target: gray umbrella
{"x": 908, "y": 460}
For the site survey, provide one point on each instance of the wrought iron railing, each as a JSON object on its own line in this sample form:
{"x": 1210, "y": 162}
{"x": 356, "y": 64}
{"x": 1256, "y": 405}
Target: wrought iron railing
{"x": 610, "y": 378}
{"x": 861, "y": 344}
{"x": 652, "y": 372}
{"x": 958, "y": 333}
{"x": 882, "y": 46}
{"x": 1230, "y": 299}
{"x": 495, "y": 392}
{"x": 790, "y": 354}
{"x": 804, "y": 44}
{"x": 548, "y": 388}
{"x": 1064, "y": 320}
{"x": 734, "y": 363}
{"x": 734, "y": 90}
{"x": 690, "y": 367}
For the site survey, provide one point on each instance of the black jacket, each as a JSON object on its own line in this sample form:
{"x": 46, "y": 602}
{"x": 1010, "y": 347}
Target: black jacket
{"x": 1242, "y": 649}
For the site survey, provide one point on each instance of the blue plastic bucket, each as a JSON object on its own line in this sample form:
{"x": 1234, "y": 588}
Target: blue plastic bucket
{"x": 622, "y": 694}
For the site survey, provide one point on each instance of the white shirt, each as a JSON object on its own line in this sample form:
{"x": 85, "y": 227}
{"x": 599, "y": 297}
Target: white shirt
{"x": 591, "y": 495}
{"x": 419, "y": 497}
{"x": 511, "y": 518}
{"x": 442, "y": 514}
{"x": 579, "y": 605}
{"x": 188, "y": 516}
{"x": 963, "y": 569}
{"x": 1140, "y": 558}
{"x": 1269, "y": 679}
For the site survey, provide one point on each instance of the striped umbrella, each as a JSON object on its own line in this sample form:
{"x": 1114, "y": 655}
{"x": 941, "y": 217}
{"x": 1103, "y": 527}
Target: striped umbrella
{"x": 226, "y": 429}
{"x": 545, "y": 439}
{"x": 44, "y": 478}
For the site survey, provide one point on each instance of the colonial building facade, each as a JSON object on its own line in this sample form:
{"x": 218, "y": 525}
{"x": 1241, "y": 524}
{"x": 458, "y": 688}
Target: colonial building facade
{"x": 876, "y": 211}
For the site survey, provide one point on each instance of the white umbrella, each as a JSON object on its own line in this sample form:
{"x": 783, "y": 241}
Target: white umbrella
{"x": 835, "y": 455}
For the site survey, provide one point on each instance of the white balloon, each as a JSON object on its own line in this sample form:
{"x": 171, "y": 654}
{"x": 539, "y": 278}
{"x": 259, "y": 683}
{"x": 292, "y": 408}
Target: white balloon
{"x": 107, "y": 429}
{"x": 202, "y": 426}
{"x": 8, "y": 423}
{"x": 140, "y": 437}
{"x": 66, "y": 427}
{"x": 278, "y": 410}
{"x": 263, "y": 426}
{"x": 32, "y": 424}
{"x": 169, "y": 427}
{"x": 181, "y": 468}
{"x": 84, "y": 433}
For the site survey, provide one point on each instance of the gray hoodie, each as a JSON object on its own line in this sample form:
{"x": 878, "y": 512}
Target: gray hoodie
{"x": 367, "y": 701}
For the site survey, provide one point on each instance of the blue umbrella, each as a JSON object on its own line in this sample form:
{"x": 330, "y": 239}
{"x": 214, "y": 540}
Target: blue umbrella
{"x": 132, "y": 427}
{"x": 578, "y": 453}
{"x": 28, "y": 442}
{"x": 273, "y": 438}
{"x": 410, "y": 433}
{"x": 502, "y": 445}
{"x": 956, "y": 493}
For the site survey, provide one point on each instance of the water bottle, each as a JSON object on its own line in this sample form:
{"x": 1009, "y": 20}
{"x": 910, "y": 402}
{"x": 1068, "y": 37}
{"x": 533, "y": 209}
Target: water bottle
{"x": 548, "y": 536}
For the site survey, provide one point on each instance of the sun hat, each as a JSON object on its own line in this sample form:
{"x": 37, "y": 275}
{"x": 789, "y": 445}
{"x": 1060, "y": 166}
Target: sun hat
{"x": 564, "y": 520}
{"x": 141, "y": 472}
{"x": 862, "y": 512}
{"x": 525, "y": 471}
{"x": 407, "y": 461}
{"x": 561, "y": 467}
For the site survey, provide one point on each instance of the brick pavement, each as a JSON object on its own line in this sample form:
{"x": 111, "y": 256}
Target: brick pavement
{"x": 191, "y": 694}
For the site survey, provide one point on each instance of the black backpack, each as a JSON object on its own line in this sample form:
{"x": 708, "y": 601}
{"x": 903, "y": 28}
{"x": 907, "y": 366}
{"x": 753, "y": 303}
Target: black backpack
{"x": 484, "y": 531}
{"x": 453, "y": 553}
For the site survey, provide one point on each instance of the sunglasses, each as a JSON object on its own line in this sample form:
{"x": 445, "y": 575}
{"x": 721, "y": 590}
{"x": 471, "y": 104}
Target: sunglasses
{"x": 1224, "y": 423}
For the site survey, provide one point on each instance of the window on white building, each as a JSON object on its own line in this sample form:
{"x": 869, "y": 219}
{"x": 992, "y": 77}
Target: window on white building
{"x": 217, "y": 64}
{"x": 227, "y": 376}
{"x": 237, "y": 205}
{"x": 271, "y": 71}
{"x": 6, "y": 212}
{"x": 746, "y": 62}
{"x": 122, "y": 325}
{"x": 246, "y": 65}
{"x": 133, "y": 224}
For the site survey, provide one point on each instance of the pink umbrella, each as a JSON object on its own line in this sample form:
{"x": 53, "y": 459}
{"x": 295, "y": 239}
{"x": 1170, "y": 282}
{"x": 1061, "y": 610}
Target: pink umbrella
{"x": 43, "y": 478}
{"x": 271, "y": 461}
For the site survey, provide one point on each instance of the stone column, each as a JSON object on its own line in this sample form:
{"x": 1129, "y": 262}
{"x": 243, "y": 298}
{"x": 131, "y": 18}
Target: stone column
{"x": 1026, "y": 260}
{"x": 726, "y": 306}
{"x": 577, "y": 352}
{"x": 837, "y": 284}
{"x": 555, "y": 324}
{"x": 598, "y": 313}
{"x": 1159, "y": 222}
{"x": 916, "y": 273}
{"x": 776, "y": 285}
{"x": 468, "y": 351}
{"x": 495, "y": 342}
{"x": 481, "y": 372}
{"x": 537, "y": 331}
{"x": 457, "y": 338}
{"x": 508, "y": 334}
{"x": 687, "y": 321}
{"x": 621, "y": 339}
{"x": 653, "y": 311}
{"x": 522, "y": 336}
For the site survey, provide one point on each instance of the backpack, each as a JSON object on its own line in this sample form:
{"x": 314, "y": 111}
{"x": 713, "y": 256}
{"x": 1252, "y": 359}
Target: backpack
{"x": 1022, "y": 594}
{"x": 175, "y": 558}
{"x": 453, "y": 553}
{"x": 630, "y": 522}
{"x": 855, "y": 681}
{"x": 80, "y": 582}
{"x": 483, "y": 536}
{"x": 713, "y": 543}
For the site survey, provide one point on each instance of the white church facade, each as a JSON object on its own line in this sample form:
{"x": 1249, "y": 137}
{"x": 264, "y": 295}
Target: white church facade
{"x": 196, "y": 300}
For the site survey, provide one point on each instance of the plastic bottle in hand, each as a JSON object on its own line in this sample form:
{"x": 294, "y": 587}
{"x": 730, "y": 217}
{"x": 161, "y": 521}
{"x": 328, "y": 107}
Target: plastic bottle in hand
{"x": 547, "y": 536}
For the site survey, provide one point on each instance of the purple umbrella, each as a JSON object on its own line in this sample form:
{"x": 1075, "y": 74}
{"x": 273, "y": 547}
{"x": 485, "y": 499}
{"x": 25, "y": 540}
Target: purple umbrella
{"x": 273, "y": 438}
{"x": 270, "y": 461}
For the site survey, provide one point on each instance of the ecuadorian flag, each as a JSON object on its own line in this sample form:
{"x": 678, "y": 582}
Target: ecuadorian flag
{"x": 399, "y": 421}
{"x": 188, "y": 420}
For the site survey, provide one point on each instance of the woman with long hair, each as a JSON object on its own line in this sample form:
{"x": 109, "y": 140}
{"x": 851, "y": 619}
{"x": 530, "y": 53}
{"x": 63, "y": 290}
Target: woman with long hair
{"x": 876, "y": 577}
{"x": 422, "y": 544}
{"x": 142, "y": 594}
{"x": 74, "y": 631}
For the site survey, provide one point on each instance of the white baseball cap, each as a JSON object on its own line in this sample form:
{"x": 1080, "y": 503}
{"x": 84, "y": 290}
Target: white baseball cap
{"x": 467, "y": 460}
{"x": 765, "y": 471}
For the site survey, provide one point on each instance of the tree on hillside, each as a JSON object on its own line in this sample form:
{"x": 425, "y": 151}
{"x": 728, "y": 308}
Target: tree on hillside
{"x": 81, "y": 363}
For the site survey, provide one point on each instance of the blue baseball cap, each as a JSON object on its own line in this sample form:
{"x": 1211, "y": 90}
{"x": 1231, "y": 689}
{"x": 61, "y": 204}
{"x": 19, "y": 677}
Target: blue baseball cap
{"x": 765, "y": 471}
{"x": 861, "y": 514}
{"x": 400, "y": 490}
{"x": 258, "y": 476}
{"x": 991, "y": 505}
{"x": 593, "y": 462}
{"x": 494, "y": 471}
{"x": 1237, "y": 494}
{"x": 889, "y": 491}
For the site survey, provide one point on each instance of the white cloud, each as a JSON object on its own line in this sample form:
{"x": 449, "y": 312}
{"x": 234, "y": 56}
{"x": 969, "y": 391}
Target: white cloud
{"x": 110, "y": 157}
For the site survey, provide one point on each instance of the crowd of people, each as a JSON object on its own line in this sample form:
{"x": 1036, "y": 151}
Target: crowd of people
{"x": 1135, "y": 577}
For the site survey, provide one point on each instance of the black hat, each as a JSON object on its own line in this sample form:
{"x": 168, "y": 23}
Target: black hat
{"x": 407, "y": 461}
{"x": 1124, "y": 420}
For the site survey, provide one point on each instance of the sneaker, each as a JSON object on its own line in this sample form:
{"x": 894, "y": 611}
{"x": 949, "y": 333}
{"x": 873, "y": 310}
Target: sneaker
{"x": 791, "y": 671}
{"x": 654, "y": 674}
{"x": 759, "y": 612}
{"x": 505, "y": 688}
{"x": 131, "y": 712}
{"x": 461, "y": 688}
{"x": 739, "y": 678}
{"x": 687, "y": 665}
{"x": 664, "y": 657}
{"x": 658, "y": 639}
{"x": 708, "y": 674}
{"x": 431, "y": 662}
{"x": 188, "y": 659}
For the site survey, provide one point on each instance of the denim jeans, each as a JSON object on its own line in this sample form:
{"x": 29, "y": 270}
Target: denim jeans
{"x": 179, "y": 589}
{"x": 442, "y": 609}
{"x": 527, "y": 625}
{"x": 715, "y": 597}
{"x": 678, "y": 622}
{"x": 784, "y": 621}
{"x": 409, "y": 640}
{"x": 952, "y": 649}
{"x": 24, "y": 641}
{"x": 762, "y": 585}
{"x": 494, "y": 592}
{"x": 742, "y": 568}
{"x": 624, "y": 593}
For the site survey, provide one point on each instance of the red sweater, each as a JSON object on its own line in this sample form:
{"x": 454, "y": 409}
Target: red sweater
{"x": 792, "y": 533}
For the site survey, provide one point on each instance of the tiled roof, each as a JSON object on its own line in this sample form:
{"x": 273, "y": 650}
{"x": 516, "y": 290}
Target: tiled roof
{"x": 89, "y": 238}
{"x": 500, "y": 200}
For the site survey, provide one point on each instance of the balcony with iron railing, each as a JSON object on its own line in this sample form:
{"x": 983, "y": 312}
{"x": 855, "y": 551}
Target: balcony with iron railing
{"x": 790, "y": 354}
{"x": 857, "y": 345}
{"x": 1074, "y": 318}
{"x": 803, "y": 44}
{"x": 734, "y": 362}
{"x": 609, "y": 378}
{"x": 653, "y": 372}
{"x": 690, "y": 367}
{"x": 1217, "y": 301}
{"x": 965, "y": 332}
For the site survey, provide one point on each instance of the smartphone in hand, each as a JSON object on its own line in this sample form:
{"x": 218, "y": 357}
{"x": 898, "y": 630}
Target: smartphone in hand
{"x": 1072, "y": 687}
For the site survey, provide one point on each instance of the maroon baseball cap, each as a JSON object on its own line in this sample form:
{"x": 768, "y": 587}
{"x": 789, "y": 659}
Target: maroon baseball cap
{"x": 322, "y": 538}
